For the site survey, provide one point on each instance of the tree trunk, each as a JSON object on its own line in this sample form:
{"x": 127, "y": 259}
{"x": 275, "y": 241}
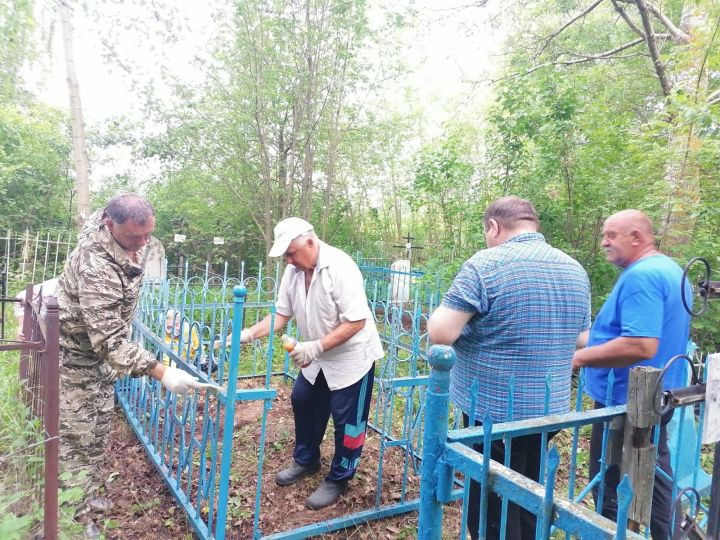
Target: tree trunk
{"x": 681, "y": 172}
{"x": 80, "y": 158}
{"x": 331, "y": 171}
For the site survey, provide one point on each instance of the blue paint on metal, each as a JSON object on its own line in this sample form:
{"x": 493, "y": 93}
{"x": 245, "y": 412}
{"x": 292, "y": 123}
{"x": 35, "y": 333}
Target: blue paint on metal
{"x": 625, "y": 495}
{"x": 187, "y": 436}
{"x": 568, "y": 516}
{"x": 484, "y": 481}
{"x": 442, "y": 359}
{"x": 507, "y": 440}
{"x": 546, "y": 424}
{"x": 345, "y": 522}
{"x": 575, "y": 440}
{"x": 546, "y": 518}
{"x": 239, "y": 292}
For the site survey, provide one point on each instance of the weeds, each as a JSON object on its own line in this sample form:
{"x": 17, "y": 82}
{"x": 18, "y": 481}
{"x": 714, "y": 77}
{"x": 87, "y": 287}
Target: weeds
{"x": 22, "y": 461}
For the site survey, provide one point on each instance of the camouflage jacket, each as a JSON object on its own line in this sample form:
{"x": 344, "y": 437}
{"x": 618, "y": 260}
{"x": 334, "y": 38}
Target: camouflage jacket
{"x": 98, "y": 294}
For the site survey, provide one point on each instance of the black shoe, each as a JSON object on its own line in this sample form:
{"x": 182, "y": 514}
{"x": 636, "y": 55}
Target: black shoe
{"x": 295, "y": 472}
{"x": 326, "y": 494}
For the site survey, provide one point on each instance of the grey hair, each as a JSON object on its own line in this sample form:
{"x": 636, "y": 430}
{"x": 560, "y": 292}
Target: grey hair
{"x": 129, "y": 207}
{"x": 310, "y": 234}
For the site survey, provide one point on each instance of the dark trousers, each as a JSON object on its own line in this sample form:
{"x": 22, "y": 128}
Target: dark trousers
{"x": 525, "y": 459}
{"x": 312, "y": 407}
{"x": 661, "y": 512}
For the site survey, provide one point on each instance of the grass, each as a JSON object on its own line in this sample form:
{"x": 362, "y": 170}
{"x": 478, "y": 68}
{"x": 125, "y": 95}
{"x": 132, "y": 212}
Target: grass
{"x": 21, "y": 458}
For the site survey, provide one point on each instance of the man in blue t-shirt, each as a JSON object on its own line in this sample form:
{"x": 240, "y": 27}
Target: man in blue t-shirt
{"x": 642, "y": 323}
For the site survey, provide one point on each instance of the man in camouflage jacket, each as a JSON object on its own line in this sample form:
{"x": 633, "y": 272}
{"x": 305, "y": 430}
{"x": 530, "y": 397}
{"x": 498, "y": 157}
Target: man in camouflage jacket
{"x": 98, "y": 294}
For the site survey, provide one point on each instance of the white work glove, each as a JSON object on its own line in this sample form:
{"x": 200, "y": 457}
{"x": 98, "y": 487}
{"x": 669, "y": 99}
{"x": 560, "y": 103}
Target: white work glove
{"x": 179, "y": 381}
{"x": 246, "y": 336}
{"x": 305, "y": 352}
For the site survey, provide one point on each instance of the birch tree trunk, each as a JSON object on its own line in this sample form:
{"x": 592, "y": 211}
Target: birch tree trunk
{"x": 80, "y": 159}
{"x": 681, "y": 172}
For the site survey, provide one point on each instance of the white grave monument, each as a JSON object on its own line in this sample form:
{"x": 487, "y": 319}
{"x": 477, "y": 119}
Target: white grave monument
{"x": 400, "y": 281}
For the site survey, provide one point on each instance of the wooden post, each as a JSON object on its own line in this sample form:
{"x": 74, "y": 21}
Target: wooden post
{"x": 639, "y": 453}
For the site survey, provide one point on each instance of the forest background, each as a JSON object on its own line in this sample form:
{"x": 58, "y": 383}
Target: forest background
{"x": 307, "y": 107}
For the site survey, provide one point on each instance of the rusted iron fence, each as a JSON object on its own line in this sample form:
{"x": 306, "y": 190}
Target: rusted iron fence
{"x": 40, "y": 376}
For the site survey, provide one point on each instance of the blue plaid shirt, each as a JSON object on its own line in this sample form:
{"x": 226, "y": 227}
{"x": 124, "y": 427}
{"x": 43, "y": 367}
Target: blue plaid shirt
{"x": 530, "y": 301}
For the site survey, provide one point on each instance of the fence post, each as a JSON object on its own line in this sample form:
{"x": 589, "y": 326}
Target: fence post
{"x": 638, "y": 460}
{"x": 442, "y": 359}
{"x": 51, "y": 389}
{"x": 239, "y": 293}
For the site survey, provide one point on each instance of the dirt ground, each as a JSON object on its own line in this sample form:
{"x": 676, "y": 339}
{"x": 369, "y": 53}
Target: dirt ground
{"x": 145, "y": 509}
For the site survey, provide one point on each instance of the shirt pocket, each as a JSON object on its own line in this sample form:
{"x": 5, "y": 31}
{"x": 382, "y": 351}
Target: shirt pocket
{"x": 326, "y": 311}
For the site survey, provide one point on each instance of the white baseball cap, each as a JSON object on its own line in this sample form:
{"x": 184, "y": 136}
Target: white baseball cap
{"x": 285, "y": 232}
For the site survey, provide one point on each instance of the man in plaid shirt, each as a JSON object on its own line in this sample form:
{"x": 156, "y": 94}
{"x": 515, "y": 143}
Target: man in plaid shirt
{"x": 514, "y": 312}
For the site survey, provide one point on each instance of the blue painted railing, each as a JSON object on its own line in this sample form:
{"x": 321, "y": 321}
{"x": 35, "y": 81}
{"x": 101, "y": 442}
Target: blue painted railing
{"x": 187, "y": 437}
{"x": 446, "y": 453}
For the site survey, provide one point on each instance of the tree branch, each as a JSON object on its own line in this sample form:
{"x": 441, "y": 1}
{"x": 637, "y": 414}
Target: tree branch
{"x": 704, "y": 60}
{"x": 678, "y": 35}
{"x": 585, "y": 58}
{"x": 714, "y": 98}
{"x": 570, "y": 22}
{"x": 627, "y": 19}
{"x": 652, "y": 47}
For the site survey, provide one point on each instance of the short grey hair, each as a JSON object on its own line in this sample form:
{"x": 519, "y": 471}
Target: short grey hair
{"x": 310, "y": 234}
{"x": 508, "y": 211}
{"x": 129, "y": 207}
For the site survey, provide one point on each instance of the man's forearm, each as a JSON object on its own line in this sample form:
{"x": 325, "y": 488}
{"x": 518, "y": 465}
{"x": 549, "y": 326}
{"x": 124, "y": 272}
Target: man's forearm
{"x": 341, "y": 334}
{"x": 619, "y": 352}
{"x": 262, "y": 329}
{"x": 582, "y": 339}
{"x": 446, "y": 325}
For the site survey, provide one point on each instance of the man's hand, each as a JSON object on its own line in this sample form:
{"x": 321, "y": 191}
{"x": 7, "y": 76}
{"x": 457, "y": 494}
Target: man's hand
{"x": 246, "y": 336}
{"x": 305, "y": 352}
{"x": 179, "y": 381}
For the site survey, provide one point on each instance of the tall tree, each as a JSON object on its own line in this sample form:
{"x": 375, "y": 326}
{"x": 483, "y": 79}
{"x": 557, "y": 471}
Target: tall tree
{"x": 80, "y": 159}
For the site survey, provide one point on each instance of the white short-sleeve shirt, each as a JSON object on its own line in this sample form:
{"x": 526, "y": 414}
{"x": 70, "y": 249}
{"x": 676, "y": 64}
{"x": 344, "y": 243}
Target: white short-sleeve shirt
{"x": 336, "y": 295}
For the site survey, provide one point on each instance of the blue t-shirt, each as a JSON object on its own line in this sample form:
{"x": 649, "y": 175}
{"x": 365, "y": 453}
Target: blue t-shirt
{"x": 645, "y": 302}
{"x": 529, "y": 303}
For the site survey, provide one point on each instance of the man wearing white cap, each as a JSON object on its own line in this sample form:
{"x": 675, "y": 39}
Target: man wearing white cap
{"x": 322, "y": 288}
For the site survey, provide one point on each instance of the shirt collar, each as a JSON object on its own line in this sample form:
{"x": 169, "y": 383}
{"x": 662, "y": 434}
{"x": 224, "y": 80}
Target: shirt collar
{"x": 323, "y": 260}
{"x": 527, "y": 237}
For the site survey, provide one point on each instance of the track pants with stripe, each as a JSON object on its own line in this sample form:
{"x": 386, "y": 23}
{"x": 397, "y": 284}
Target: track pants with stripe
{"x": 312, "y": 407}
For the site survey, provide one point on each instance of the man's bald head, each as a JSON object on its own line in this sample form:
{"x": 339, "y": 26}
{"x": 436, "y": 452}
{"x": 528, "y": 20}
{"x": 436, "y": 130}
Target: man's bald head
{"x": 627, "y": 236}
{"x": 634, "y": 219}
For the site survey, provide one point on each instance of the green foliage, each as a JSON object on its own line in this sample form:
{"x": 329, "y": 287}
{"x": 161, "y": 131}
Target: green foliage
{"x": 586, "y": 140}
{"x": 34, "y": 183}
{"x": 16, "y": 25}
{"x": 21, "y": 514}
{"x": 443, "y": 185}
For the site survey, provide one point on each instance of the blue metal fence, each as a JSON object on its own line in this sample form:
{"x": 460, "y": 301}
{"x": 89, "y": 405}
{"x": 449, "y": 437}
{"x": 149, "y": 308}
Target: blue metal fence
{"x": 189, "y": 439}
{"x": 447, "y": 452}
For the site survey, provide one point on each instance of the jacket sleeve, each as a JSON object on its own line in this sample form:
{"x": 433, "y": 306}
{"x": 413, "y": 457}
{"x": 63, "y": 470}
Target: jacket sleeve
{"x": 100, "y": 293}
